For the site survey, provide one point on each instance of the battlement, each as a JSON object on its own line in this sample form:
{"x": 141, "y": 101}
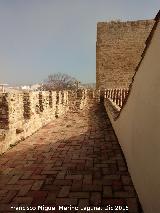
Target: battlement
{"x": 22, "y": 114}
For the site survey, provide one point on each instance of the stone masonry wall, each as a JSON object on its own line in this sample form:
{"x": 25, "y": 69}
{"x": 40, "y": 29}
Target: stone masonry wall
{"x": 118, "y": 51}
{"x": 21, "y": 114}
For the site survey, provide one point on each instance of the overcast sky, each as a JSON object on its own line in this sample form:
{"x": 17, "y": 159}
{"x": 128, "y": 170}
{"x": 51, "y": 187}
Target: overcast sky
{"x": 40, "y": 37}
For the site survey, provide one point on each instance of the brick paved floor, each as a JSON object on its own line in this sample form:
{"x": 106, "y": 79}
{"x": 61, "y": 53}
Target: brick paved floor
{"x": 75, "y": 160}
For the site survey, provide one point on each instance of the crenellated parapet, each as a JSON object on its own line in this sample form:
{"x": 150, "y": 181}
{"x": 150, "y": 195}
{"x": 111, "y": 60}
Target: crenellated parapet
{"x": 23, "y": 113}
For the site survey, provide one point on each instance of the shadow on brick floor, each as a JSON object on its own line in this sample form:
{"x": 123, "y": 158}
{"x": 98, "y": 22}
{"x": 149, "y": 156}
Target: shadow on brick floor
{"x": 75, "y": 160}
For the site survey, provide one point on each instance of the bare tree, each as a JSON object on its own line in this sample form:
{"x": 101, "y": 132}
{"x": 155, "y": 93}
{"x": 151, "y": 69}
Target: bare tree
{"x": 59, "y": 81}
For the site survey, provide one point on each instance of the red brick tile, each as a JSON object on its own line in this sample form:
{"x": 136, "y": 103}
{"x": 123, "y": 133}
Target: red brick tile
{"x": 37, "y": 194}
{"x": 38, "y": 177}
{"x": 51, "y": 197}
{"x": 9, "y": 197}
{"x": 49, "y": 180}
{"x": 95, "y": 198}
{"x": 48, "y": 172}
{"x": 63, "y": 182}
{"x": 113, "y": 202}
{"x": 64, "y": 192}
{"x": 132, "y": 205}
{"x": 26, "y": 175}
{"x": 25, "y": 182}
{"x": 123, "y": 194}
{"x": 76, "y": 187}
{"x": 51, "y": 187}
{"x": 87, "y": 179}
{"x": 37, "y": 185}
{"x": 3, "y": 192}
{"x": 79, "y": 194}
{"x": 83, "y": 203}
{"x": 66, "y": 201}
{"x": 24, "y": 190}
{"x": 13, "y": 187}
{"x": 61, "y": 175}
{"x": 14, "y": 179}
{"x": 92, "y": 188}
{"x": 126, "y": 180}
{"x": 117, "y": 185}
{"x": 7, "y": 208}
{"x": 74, "y": 177}
{"x": 107, "y": 192}
{"x": 23, "y": 200}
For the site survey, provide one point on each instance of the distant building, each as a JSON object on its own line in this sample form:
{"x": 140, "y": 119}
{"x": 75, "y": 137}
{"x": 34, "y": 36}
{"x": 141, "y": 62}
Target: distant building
{"x": 2, "y": 87}
{"x": 25, "y": 87}
{"x": 33, "y": 87}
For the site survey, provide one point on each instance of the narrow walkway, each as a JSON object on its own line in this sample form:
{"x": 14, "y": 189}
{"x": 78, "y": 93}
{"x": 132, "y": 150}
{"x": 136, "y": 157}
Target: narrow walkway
{"x": 75, "y": 160}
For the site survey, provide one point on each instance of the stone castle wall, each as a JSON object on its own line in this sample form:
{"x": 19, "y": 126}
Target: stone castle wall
{"x": 118, "y": 51}
{"x": 22, "y": 114}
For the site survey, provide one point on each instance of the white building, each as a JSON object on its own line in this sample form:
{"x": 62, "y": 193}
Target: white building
{"x": 2, "y": 87}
